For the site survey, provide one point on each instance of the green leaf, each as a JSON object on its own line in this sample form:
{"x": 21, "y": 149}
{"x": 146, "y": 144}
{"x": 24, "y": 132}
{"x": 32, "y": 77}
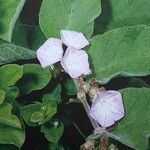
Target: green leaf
{"x": 9, "y": 74}
{"x": 10, "y": 53}
{"x": 2, "y": 96}
{"x": 124, "y": 51}
{"x": 68, "y": 14}
{"x": 20, "y": 29}
{"x": 39, "y": 113}
{"x": 11, "y": 131}
{"x": 134, "y": 129}
{"x": 31, "y": 36}
{"x": 49, "y": 109}
{"x": 28, "y": 110}
{"x": 9, "y": 11}
{"x": 119, "y": 13}
{"x": 34, "y": 78}
{"x": 7, "y": 118}
{"x": 11, "y": 94}
{"x": 52, "y": 133}
{"x": 37, "y": 38}
{"x": 88, "y": 30}
{"x": 53, "y": 95}
{"x": 37, "y": 117}
{"x": 69, "y": 87}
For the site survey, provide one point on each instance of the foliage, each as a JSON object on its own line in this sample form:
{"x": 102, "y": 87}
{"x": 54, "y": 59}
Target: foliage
{"x": 44, "y": 99}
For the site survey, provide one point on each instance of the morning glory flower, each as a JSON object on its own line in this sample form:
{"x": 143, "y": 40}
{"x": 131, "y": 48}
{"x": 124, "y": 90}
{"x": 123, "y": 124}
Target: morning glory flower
{"x": 107, "y": 107}
{"x": 75, "y": 62}
{"x": 50, "y": 52}
{"x": 73, "y": 39}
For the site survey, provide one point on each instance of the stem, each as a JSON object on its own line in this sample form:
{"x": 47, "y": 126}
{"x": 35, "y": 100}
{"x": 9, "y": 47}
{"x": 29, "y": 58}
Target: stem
{"x": 87, "y": 108}
{"x": 85, "y": 103}
{"x": 79, "y": 130}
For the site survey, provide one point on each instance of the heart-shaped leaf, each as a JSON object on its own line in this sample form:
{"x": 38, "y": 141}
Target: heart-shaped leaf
{"x": 124, "y": 51}
{"x": 77, "y": 15}
{"x": 34, "y": 78}
{"x": 134, "y": 129}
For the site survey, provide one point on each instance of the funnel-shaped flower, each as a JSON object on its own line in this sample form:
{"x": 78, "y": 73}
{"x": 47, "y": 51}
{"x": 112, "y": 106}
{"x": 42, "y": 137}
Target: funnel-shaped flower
{"x": 107, "y": 107}
{"x": 75, "y": 62}
{"x": 50, "y": 52}
{"x": 73, "y": 39}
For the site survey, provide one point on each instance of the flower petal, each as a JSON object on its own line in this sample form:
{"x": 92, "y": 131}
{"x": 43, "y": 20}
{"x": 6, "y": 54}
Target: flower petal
{"x": 73, "y": 39}
{"x": 107, "y": 107}
{"x": 50, "y": 52}
{"x": 75, "y": 62}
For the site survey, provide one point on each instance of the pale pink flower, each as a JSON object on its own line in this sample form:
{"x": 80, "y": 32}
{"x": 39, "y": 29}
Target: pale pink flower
{"x": 50, "y": 52}
{"x": 107, "y": 107}
{"x": 75, "y": 62}
{"x": 73, "y": 39}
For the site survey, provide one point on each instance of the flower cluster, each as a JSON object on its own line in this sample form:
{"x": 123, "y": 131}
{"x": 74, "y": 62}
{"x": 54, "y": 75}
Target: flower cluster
{"x": 74, "y": 61}
{"x": 107, "y": 106}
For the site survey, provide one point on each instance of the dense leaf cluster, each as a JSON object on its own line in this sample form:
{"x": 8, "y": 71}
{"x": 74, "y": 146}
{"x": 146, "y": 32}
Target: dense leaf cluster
{"x": 33, "y": 97}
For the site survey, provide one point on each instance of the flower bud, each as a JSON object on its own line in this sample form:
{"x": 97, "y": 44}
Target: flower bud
{"x": 50, "y": 52}
{"x": 107, "y": 107}
{"x": 73, "y": 39}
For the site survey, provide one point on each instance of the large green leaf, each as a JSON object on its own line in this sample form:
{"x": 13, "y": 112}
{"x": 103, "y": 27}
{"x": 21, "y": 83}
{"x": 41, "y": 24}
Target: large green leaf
{"x": 34, "y": 78}
{"x": 119, "y": 13}
{"x": 77, "y": 15}
{"x": 124, "y": 51}
{"x": 9, "y": 74}
{"x": 11, "y": 131}
{"x": 9, "y": 11}
{"x": 134, "y": 129}
{"x": 31, "y": 36}
{"x": 52, "y": 132}
{"x": 10, "y": 53}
